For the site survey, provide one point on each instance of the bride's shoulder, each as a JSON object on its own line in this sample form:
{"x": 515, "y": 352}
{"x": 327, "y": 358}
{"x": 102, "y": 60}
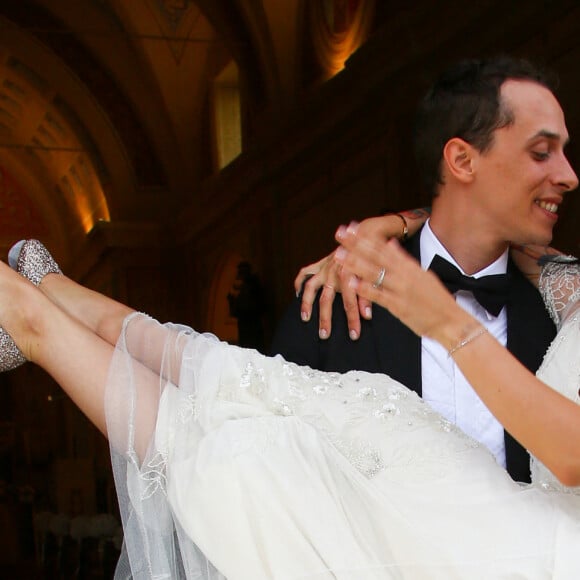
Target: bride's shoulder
{"x": 559, "y": 285}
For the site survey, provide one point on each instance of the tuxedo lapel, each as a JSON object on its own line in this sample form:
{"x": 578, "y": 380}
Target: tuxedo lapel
{"x": 529, "y": 332}
{"x": 399, "y": 348}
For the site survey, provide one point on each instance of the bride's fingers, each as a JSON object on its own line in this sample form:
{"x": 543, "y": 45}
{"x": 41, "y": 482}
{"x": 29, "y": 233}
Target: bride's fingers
{"x": 357, "y": 265}
{"x": 387, "y": 275}
{"x": 361, "y": 256}
{"x": 378, "y": 294}
{"x": 373, "y": 261}
{"x": 414, "y": 296}
{"x": 382, "y": 264}
{"x": 393, "y": 296}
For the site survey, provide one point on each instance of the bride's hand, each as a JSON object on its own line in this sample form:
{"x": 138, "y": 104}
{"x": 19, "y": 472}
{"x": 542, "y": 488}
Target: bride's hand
{"x": 413, "y": 295}
{"x": 332, "y": 278}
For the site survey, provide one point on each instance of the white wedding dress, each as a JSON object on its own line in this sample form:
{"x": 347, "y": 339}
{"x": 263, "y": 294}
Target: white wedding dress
{"x": 234, "y": 465}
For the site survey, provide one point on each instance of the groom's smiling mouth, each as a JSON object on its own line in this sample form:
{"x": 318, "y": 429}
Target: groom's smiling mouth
{"x": 548, "y": 205}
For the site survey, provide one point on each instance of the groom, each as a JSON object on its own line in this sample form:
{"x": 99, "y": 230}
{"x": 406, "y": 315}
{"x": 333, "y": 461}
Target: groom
{"x": 490, "y": 143}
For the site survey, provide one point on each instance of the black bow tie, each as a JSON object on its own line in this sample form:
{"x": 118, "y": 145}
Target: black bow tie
{"x": 490, "y": 291}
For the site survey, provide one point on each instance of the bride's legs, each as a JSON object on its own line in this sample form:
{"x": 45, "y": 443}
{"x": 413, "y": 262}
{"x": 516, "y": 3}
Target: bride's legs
{"x": 105, "y": 316}
{"x": 101, "y": 314}
{"x": 70, "y": 352}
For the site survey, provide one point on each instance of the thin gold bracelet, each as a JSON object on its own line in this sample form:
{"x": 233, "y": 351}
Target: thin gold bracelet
{"x": 468, "y": 338}
{"x": 405, "y": 233}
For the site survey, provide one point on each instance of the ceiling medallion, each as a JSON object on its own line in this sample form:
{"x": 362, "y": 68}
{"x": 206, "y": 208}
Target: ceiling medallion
{"x": 174, "y": 10}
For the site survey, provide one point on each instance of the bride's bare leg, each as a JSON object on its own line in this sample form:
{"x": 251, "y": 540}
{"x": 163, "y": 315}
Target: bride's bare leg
{"x": 70, "y": 352}
{"x": 105, "y": 316}
{"x": 101, "y": 314}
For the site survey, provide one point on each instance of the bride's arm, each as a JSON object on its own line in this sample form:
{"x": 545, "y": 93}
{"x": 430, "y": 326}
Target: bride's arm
{"x": 544, "y": 421}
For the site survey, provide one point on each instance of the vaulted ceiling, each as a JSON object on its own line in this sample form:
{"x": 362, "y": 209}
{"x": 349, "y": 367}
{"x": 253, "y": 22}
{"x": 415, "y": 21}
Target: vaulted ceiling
{"x": 104, "y": 104}
{"x": 105, "y": 108}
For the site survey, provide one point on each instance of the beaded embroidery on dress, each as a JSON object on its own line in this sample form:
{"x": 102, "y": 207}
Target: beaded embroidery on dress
{"x": 232, "y": 465}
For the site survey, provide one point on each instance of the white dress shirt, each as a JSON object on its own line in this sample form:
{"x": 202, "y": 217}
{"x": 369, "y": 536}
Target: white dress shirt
{"x": 444, "y": 386}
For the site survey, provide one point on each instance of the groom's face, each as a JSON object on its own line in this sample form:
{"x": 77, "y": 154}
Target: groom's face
{"x": 525, "y": 174}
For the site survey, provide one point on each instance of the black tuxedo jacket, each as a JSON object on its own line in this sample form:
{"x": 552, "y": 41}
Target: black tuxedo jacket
{"x": 388, "y": 346}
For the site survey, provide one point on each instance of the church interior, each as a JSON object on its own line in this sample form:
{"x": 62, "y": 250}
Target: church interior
{"x": 156, "y": 145}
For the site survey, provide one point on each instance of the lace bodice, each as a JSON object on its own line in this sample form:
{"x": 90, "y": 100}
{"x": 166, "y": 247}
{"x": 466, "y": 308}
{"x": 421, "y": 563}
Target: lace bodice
{"x": 560, "y": 288}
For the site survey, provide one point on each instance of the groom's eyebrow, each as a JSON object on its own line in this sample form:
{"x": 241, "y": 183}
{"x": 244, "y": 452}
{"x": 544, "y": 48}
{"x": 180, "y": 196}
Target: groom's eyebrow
{"x": 549, "y": 135}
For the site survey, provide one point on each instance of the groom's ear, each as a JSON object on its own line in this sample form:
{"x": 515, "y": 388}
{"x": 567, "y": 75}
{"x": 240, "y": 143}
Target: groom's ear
{"x": 458, "y": 159}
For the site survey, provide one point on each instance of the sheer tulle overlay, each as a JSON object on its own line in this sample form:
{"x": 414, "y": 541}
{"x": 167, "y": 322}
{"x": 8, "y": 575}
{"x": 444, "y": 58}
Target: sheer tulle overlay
{"x": 233, "y": 465}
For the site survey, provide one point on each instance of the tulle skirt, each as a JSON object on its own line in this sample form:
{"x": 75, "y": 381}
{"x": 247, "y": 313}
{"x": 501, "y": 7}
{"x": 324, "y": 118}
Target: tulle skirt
{"x": 229, "y": 464}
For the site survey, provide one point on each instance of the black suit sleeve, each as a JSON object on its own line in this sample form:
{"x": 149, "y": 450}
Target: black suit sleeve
{"x": 295, "y": 340}
{"x": 298, "y": 341}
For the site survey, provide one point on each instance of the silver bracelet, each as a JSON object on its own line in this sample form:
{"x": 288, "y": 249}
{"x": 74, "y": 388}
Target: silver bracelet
{"x": 469, "y": 338}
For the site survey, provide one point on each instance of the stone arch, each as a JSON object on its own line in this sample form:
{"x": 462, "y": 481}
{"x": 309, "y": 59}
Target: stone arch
{"x": 219, "y": 321}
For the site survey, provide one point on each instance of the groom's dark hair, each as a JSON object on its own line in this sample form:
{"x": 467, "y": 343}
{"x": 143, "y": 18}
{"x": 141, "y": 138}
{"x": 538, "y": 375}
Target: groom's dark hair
{"x": 465, "y": 102}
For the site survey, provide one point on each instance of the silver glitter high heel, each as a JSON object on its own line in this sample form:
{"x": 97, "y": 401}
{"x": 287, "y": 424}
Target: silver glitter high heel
{"x": 10, "y": 355}
{"x": 31, "y": 259}
{"x": 34, "y": 262}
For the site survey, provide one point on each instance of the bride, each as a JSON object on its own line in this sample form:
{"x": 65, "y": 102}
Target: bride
{"x": 229, "y": 464}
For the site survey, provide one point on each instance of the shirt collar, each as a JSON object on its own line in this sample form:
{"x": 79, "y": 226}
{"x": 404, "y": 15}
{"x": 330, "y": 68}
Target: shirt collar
{"x": 430, "y": 245}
